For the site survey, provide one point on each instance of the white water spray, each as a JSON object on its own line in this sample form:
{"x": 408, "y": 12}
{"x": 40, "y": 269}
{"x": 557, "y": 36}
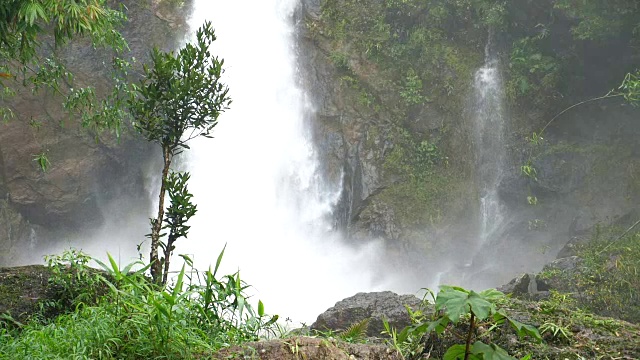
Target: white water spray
{"x": 256, "y": 184}
{"x": 488, "y": 122}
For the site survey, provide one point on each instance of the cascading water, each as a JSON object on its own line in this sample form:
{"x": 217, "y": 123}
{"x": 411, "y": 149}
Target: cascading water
{"x": 488, "y": 119}
{"x": 487, "y": 113}
{"x": 256, "y": 183}
{"x": 488, "y": 116}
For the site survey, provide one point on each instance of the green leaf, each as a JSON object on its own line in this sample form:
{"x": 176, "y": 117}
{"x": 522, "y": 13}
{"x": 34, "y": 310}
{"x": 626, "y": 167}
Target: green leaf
{"x": 187, "y": 259}
{"x": 241, "y": 304}
{"x": 178, "y": 288}
{"x": 453, "y": 300}
{"x": 490, "y": 352}
{"x": 260, "y": 308}
{"x": 162, "y": 309}
{"x": 272, "y": 321}
{"x": 168, "y": 298}
{"x": 42, "y": 160}
{"x": 456, "y": 352}
{"x": 480, "y": 307}
{"x": 524, "y": 329}
{"x": 404, "y": 334}
{"x": 127, "y": 269}
{"x": 492, "y": 295}
{"x": 438, "y": 325}
{"x": 114, "y": 267}
{"x": 215, "y": 271}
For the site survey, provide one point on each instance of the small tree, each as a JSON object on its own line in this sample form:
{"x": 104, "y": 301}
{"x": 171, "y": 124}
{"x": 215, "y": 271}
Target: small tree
{"x": 179, "y": 98}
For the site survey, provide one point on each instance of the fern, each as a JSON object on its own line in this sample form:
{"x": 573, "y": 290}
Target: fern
{"x": 356, "y": 333}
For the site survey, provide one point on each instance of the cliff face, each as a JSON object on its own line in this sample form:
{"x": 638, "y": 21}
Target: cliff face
{"x": 392, "y": 83}
{"x": 86, "y": 172}
{"x": 388, "y": 142}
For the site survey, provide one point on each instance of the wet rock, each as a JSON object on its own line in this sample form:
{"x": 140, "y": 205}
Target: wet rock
{"x": 526, "y": 286}
{"x": 568, "y": 264}
{"x": 307, "y": 348}
{"x": 374, "y": 306}
{"x": 16, "y": 234}
{"x": 517, "y": 286}
{"x": 570, "y": 248}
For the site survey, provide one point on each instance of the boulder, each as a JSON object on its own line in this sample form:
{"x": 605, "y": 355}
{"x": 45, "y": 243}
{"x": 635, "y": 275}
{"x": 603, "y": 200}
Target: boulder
{"x": 374, "y": 306}
{"x": 527, "y": 286}
{"x": 23, "y": 290}
{"x": 307, "y": 348}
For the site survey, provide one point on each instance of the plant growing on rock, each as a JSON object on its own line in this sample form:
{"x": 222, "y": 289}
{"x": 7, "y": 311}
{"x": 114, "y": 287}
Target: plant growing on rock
{"x": 72, "y": 281}
{"x": 455, "y": 306}
{"x": 179, "y": 98}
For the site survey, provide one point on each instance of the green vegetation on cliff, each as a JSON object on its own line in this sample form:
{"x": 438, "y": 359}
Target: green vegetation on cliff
{"x": 406, "y": 69}
{"x": 605, "y": 278}
{"x": 408, "y": 66}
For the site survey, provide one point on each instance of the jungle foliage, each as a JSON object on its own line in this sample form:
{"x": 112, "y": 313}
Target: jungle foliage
{"x": 428, "y": 42}
{"x": 606, "y": 281}
{"x": 199, "y": 313}
{"x": 31, "y": 36}
{"x": 454, "y": 306}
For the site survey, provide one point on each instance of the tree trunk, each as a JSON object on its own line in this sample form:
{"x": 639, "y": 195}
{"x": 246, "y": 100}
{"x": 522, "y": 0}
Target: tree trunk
{"x": 156, "y": 265}
{"x": 167, "y": 255}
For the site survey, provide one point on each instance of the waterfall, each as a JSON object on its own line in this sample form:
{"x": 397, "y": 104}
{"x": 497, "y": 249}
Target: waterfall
{"x": 487, "y": 112}
{"x": 488, "y": 119}
{"x": 256, "y": 184}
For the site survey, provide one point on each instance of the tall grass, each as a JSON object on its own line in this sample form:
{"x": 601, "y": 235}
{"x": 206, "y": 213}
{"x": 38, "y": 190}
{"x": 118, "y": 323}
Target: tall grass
{"x": 191, "y": 318}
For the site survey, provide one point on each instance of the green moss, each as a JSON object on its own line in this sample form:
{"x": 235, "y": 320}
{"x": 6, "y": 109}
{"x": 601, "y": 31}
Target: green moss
{"x": 408, "y": 48}
{"x": 23, "y": 290}
{"x": 419, "y": 202}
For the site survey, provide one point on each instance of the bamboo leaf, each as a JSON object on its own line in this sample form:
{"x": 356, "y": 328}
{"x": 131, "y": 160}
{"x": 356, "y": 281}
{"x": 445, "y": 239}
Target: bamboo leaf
{"x": 219, "y": 260}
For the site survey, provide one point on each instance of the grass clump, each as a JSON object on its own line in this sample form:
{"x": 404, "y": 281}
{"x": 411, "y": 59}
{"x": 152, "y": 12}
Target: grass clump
{"x": 606, "y": 278}
{"x": 610, "y": 277}
{"x": 135, "y": 319}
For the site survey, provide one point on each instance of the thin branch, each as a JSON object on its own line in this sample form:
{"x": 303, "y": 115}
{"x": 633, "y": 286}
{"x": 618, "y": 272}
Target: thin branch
{"x": 608, "y": 95}
{"x": 620, "y": 237}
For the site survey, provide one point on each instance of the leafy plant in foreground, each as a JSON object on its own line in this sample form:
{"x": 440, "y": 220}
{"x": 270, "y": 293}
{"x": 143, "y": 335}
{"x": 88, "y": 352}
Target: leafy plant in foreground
{"x": 72, "y": 281}
{"x": 454, "y": 306}
{"x": 190, "y": 318}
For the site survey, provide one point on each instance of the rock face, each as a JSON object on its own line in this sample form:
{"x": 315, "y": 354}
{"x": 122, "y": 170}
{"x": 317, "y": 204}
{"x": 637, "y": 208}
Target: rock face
{"x": 406, "y": 166}
{"x": 368, "y": 139}
{"x": 86, "y": 172}
{"x": 307, "y": 348}
{"x": 373, "y": 306}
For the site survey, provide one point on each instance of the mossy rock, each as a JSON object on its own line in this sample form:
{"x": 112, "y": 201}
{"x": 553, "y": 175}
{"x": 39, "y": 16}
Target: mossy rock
{"x": 23, "y": 290}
